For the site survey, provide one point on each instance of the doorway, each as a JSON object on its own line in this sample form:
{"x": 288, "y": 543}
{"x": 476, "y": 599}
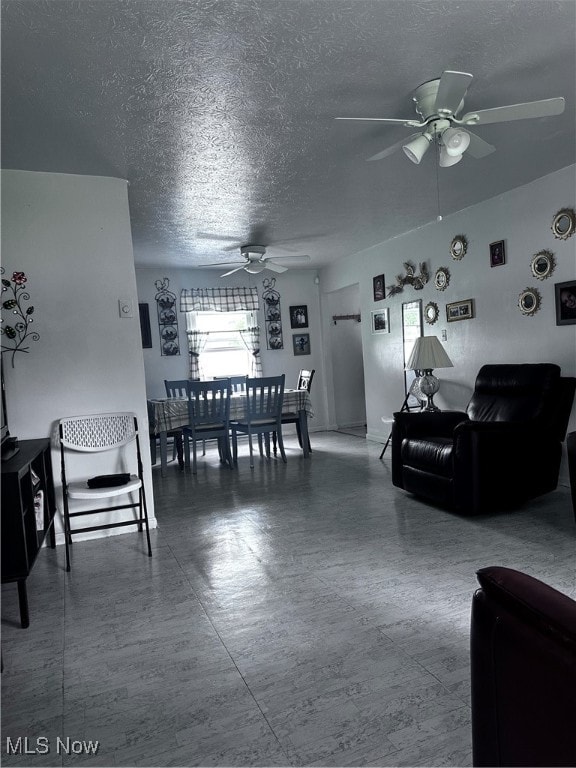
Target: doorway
{"x": 346, "y": 360}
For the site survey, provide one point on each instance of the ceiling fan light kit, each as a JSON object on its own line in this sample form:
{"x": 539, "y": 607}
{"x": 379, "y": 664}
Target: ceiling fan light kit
{"x": 447, "y": 159}
{"x": 438, "y": 103}
{"x": 416, "y": 149}
{"x": 456, "y": 141}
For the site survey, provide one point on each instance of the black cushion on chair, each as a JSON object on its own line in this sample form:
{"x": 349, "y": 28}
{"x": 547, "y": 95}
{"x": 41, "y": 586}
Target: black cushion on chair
{"x": 109, "y": 481}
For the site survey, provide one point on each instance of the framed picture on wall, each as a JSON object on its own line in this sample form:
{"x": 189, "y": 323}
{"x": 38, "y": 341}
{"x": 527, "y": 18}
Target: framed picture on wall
{"x": 460, "y": 310}
{"x": 565, "y": 295}
{"x": 497, "y": 253}
{"x": 299, "y": 316}
{"x": 301, "y": 343}
{"x": 378, "y": 287}
{"x": 381, "y": 320}
{"x": 145, "y": 328}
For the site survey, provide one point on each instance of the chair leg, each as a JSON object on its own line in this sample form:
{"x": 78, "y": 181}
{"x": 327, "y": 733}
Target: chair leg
{"x": 187, "y": 451}
{"x": 281, "y": 445}
{"x": 193, "y": 455}
{"x": 179, "y": 450}
{"x": 234, "y": 446}
{"x": 251, "y": 449}
{"x": 144, "y": 511}
{"x": 274, "y": 441}
{"x": 67, "y": 535}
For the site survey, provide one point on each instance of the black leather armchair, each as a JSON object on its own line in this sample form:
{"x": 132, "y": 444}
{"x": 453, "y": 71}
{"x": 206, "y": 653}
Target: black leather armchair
{"x": 523, "y": 672}
{"x": 504, "y": 449}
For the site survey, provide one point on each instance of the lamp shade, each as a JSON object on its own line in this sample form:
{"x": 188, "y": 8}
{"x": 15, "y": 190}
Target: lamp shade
{"x": 427, "y": 354}
{"x": 416, "y": 148}
{"x": 456, "y": 141}
{"x": 447, "y": 160}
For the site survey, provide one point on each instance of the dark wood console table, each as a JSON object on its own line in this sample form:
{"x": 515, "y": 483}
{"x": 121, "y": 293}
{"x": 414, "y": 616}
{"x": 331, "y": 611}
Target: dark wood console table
{"x": 26, "y": 478}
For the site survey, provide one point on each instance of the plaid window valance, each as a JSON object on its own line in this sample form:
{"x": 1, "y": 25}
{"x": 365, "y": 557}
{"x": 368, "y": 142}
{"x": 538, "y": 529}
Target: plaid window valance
{"x": 219, "y": 299}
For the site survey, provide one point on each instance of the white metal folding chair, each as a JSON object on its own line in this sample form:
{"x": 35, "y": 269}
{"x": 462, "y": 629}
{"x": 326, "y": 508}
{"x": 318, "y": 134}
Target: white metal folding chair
{"x": 98, "y": 434}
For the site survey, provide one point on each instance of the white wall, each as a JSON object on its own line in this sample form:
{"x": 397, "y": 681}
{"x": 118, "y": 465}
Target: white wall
{"x": 71, "y": 236}
{"x": 294, "y": 286}
{"x": 498, "y": 332}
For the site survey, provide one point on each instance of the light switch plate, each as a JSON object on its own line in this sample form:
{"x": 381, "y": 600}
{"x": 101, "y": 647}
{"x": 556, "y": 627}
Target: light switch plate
{"x": 125, "y": 308}
{"x": 444, "y": 335}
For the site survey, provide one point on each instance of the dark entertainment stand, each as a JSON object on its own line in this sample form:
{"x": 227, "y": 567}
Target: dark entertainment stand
{"x": 24, "y": 528}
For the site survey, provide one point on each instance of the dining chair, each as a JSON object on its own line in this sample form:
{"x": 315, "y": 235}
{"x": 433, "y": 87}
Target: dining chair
{"x": 174, "y": 388}
{"x": 208, "y": 418}
{"x": 114, "y": 438}
{"x": 264, "y": 398}
{"x": 237, "y": 383}
{"x": 304, "y": 382}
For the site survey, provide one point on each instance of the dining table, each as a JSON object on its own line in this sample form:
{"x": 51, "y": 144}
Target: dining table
{"x": 168, "y": 413}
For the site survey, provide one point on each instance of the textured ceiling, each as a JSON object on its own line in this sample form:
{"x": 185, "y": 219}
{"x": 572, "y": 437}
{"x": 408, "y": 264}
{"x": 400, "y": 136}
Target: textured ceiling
{"x": 220, "y": 112}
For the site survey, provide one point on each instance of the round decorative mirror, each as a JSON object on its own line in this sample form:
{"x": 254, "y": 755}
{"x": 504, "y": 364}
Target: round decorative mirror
{"x": 441, "y": 278}
{"x": 564, "y": 223}
{"x": 542, "y": 264}
{"x": 529, "y": 301}
{"x": 458, "y": 247}
{"x": 431, "y": 312}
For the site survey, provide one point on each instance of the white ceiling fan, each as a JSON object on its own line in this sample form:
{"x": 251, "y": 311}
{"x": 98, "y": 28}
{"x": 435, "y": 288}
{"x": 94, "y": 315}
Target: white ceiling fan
{"x": 255, "y": 260}
{"x": 439, "y": 103}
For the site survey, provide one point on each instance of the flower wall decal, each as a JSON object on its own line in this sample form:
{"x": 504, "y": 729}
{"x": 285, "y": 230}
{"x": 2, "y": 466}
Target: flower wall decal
{"x": 17, "y": 331}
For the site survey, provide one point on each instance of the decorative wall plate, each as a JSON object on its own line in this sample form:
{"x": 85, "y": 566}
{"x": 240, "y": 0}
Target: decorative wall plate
{"x": 458, "y": 247}
{"x": 564, "y": 223}
{"x": 441, "y": 278}
{"x": 529, "y": 301}
{"x": 431, "y": 312}
{"x": 542, "y": 264}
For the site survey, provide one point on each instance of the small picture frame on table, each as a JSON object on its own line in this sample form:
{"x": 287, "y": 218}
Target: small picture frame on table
{"x": 378, "y": 287}
{"x": 497, "y": 253}
{"x": 301, "y": 343}
{"x": 381, "y": 320}
{"x": 565, "y": 295}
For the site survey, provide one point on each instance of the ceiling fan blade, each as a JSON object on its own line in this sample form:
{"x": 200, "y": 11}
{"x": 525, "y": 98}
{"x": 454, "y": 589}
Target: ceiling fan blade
{"x": 391, "y": 149}
{"x": 524, "y": 111}
{"x": 478, "y": 147}
{"x": 451, "y": 90}
{"x": 397, "y": 121}
{"x": 213, "y": 236}
{"x": 221, "y": 264}
{"x": 233, "y": 270}
{"x": 275, "y": 267}
{"x": 292, "y": 258}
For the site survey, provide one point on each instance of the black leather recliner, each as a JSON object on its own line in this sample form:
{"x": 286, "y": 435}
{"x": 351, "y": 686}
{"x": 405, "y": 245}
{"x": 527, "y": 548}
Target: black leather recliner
{"x": 504, "y": 449}
{"x": 523, "y": 672}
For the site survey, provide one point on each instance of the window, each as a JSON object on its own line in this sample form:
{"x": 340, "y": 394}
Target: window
{"x": 224, "y": 353}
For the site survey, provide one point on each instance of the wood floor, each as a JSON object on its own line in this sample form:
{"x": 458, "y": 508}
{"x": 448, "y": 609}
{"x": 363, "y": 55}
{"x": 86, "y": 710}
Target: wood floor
{"x": 298, "y": 614}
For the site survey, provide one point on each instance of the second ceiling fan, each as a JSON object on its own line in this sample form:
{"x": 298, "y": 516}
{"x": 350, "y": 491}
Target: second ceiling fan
{"x": 439, "y": 103}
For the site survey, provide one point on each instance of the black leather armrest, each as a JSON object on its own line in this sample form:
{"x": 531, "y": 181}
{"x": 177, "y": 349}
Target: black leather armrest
{"x": 428, "y": 423}
{"x": 539, "y": 603}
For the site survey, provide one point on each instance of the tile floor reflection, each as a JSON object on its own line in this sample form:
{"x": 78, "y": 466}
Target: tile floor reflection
{"x": 306, "y": 613}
